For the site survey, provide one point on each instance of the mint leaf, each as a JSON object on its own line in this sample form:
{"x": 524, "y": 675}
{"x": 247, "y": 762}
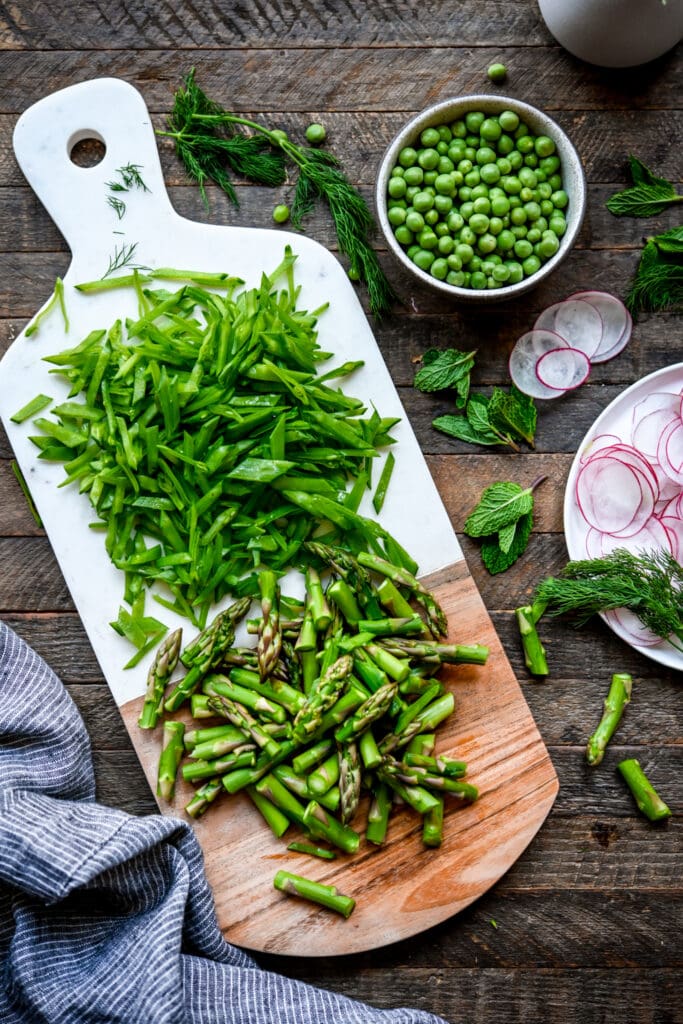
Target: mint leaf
{"x": 670, "y": 241}
{"x": 447, "y": 369}
{"x": 513, "y": 412}
{"x": 501, "y": 503}
{"x": 642, "y": 175}
{"x": 495, "y": 559}
{"x": 642, "y": 201}
{"x": 506, "y": 537}
{"x": 462, "y": 429}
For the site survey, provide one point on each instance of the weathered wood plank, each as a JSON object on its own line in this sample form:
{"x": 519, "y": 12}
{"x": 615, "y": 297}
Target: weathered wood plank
{"x": 342, "y": 78}
{"x": 30, "y": 579}
{"x": 26, "y": 227}
{"x": 135, "y": 25}
{"x": 15, "y": 517}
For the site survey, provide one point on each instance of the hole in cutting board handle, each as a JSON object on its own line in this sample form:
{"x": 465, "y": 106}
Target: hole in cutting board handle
{"x": 86, "y": 148}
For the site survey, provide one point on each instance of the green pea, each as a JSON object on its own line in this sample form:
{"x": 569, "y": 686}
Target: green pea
{"x": 353, "y": 274}
{"x": 487, "y": 267}
{"x": 516, "y": 160}
{"x": 521, "y": 130}
{"x": 527, "y": 194}
{"x": 527, "y": 177}
{"x": 491, "y": 130}
{"x": 544, "y": 146}
{"x": 530, "y": 265}
{"x": 541, "y": 224}
{"x": 404, "y": 235}
{"x": 431, "y": 217}
{"x": 397, "y": 188}
{"x": 533, "y": 211}
{"x": 505, "y": 145}
{"x": 464, "y": 252}
{"x": 506, "y": 240}
{"x": 445, "y": 165}
{"x": 533, "y": 235}
{"x": 414, "y": 220}
{"x": 439, "y": 269}
{"x": 445, "y": 133}
{"x": 523, "y": 248}
{"x": 455, "y": 221}
{"x": 478, "y": 280}
{"x": 414, "y": 175}
{"x": 411, "y": 192}
{"x": 480, "y": 191}
{"x": 546, "y": 207}
{"x": 511, "y": 184}
{"x": 407, "y": 157}
{"x": 518, "y": 230}
{"x": 472, "y": 178}
{"x": 315, "y": 134}
{"x": 459, "y": 129}
{"x": 555, "y": 182}
{"x": 501, "y": 273}
{"x": 486, "y": 243}
{"x": 423, "y": 259}
{"x": 515, "y": 201}
{"x": 544, "y": 190}
{"x": 485, "y": 155}
{"x": 466, "y": 210}
{"x": 457, "y": 177}
{"x": 479, "y": 223}
{"x": 465, "y": 193}
{"x": 465, "y": 166}
{"x": 396, "y": 216}
{"x": 558, "y": 225}
{"x": 430, "y": 177}
{"x": 398, "y": 172}
{"x": 541, "y": 175}
{"x": 475, "y": 263}
{"x": 474, "y": 120}
{"x": 430, "y": 137}
{"x": 446, "y": 244}
{"x": 518, "y": 215}
{"x": 481, "y": 205}
{"x": 411, "y": 250}
{"x": 559, "y": 199}
{"x": 504, "y": 165}
{"x": 500, "y": 205}
{"x": 443, "y": 204}
{"x": 454, "y": 261}
{"x": 531, "y": 160}
{"x": 456, "y": 150}
{"x": 423, "y": 201}
{"x": 497, "y": 72}
{"x": 281, "y": 214}
{"x": 489, "y": 174}
{"x": 495, "y": 226}
{"x": 467, "y": 235}
{"x": 456, "y": 278}
{"x": 525, "y": 144}
{"x": 427, "y": 239}
{"x": 509, "y": 121}
{"x": 428, "y": 159}
{"x": 550, "y": 164}
{"x": 441, "y": 230}
{"x": 516, "y": 271}
{"x": 471, "y": 153}
{"x": 548, "y": 246}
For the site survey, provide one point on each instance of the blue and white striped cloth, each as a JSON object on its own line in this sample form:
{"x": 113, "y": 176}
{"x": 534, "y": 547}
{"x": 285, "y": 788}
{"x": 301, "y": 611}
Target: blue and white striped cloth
{"x": 106, "y": 918}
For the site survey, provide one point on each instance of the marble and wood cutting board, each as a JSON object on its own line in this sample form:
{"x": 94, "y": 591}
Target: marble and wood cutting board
{"x": 402, "y": 888}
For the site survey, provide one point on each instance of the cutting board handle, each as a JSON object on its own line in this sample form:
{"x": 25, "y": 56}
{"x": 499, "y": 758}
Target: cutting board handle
{"x": 112, "y": 111}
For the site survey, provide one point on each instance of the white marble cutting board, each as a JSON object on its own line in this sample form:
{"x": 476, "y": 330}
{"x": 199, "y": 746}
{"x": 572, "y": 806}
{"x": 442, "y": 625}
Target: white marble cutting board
{"x": 76, "y": 198}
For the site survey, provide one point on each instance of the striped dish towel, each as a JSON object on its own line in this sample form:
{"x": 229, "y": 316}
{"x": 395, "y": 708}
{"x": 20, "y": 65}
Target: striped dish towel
{"x": 107, "y": 918}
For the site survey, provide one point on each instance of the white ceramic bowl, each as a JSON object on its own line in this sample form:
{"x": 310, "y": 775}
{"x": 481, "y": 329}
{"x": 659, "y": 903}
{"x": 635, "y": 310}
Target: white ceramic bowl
{"x": 573, "y": 181}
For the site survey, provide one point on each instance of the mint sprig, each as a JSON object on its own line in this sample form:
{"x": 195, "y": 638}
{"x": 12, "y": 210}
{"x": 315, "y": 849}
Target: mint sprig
{"x": 648, "y": 196}
{"x": 503, "y": 519}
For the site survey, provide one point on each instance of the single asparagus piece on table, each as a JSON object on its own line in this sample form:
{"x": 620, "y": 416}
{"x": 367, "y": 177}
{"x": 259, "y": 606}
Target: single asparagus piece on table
{"x": 618, "y": 697}
{"x": 313, "y": 851}
{"x": 645, "y": 795}
{"x": 534, "y": 652}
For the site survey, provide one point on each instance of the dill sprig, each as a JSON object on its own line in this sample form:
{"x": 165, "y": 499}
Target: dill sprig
{"x": 650, "y": 584}
{"x": 117, "y": 205}
{"x": 122, "y": 257}
{"x": 658, "y": 283}
{"x": 210, "y": 143}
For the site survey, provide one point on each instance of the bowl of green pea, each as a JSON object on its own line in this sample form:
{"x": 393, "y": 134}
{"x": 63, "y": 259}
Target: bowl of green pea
{"x": 481, "y": 197}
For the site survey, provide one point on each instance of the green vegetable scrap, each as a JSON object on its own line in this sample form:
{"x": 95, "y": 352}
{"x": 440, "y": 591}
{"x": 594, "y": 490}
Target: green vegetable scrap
{"x": 210, "y": 143}
{"x": 534, "y": 651}
{"x": 316, "y": 892}
{"x": 658, "y": 282}
{"x": 206, "y": 442}
{"x": 650, "y": 584}
{"x": 56, "y": 299}
{"x": 645, "y": 795}
{"x": 648, "y": 196}
{"x": 497, "y": 72}
{"x": 618, "y": 697}
{"x": 503, "y": 518}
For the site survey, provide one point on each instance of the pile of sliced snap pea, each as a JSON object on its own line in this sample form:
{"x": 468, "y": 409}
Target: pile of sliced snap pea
{"x": 479, "y": 202}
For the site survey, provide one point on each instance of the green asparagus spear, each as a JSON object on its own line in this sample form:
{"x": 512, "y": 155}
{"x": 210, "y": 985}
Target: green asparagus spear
{"x": 617, "y": 698}
{"x": 349, "y": 780}
{"x": 370, "y": 711}
{"x": 239, "y": 716}
{"x": 435, "y": 614}
{"x": 325, "y": 776}
{"x": 204, "y": 796}
{"x": 321, "y": 698}
{"x": 271, "y": 787}
{"x": 192, "y": 771}
{"x": 160, "y": 672}
{"x": 440, "y": 654}
{"x": 278, "y": 822}
{"x": 169, "y": 759}
{"x": 432, "y": 826}
{"x": 534, "y": 651}
{"x": 645, "y": 795}
{"x": 269, "y": 638}
{"x": 325, "y": 895}
{"x": 323, "y": 826}
{"x": 378, "y": 815}
{"x": 313, "y": 851}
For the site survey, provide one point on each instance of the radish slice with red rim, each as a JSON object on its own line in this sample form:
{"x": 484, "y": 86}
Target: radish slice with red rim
{"x": 651, "y": 417}
{"x": 578, "y": 322}
{"x": 524, "y": 357}
{"x": 599, "y": 442}
{"x": 628, "y": 625}
{"x": 613, "y": 497}
{"x": 616, "y": 323}
{"x": 563, "y": 369}
{"x": 674, "y": 530}
{"x": 626, "y": 453}
{"x": 670, "y": 452}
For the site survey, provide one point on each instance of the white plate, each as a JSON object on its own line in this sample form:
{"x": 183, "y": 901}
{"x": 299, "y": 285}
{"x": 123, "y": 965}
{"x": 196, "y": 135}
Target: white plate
{"x": 616, "y": 419}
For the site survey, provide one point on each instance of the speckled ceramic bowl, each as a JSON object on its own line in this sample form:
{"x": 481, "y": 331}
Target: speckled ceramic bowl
{"x": 573, "y": 180}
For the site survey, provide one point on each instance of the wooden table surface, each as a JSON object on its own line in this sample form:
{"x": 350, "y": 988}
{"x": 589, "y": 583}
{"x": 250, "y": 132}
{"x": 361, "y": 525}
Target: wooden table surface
{"x": 587, "y": 923}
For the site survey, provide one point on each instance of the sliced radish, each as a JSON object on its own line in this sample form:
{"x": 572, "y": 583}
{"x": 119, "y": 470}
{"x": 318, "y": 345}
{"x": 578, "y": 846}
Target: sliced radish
{"x": 674, "y": 530}
{"x": 613, "y": 497}
{"x": 627, "y": 624}
{"x": 616, "y": 324}
{"x": 599, "y": 442}
{"x": 524, "y": 357}
{"x": 670, "y": 452}
{"x": 651, "y": 417}
{"x": 578, "y": 322}
{"x": 626, "y": 453}
{"x": 563, "y": 369}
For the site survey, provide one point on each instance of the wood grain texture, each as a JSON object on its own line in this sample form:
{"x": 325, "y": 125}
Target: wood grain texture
{"x": 588, "y": 916}
{"x": 403, "y": 888}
